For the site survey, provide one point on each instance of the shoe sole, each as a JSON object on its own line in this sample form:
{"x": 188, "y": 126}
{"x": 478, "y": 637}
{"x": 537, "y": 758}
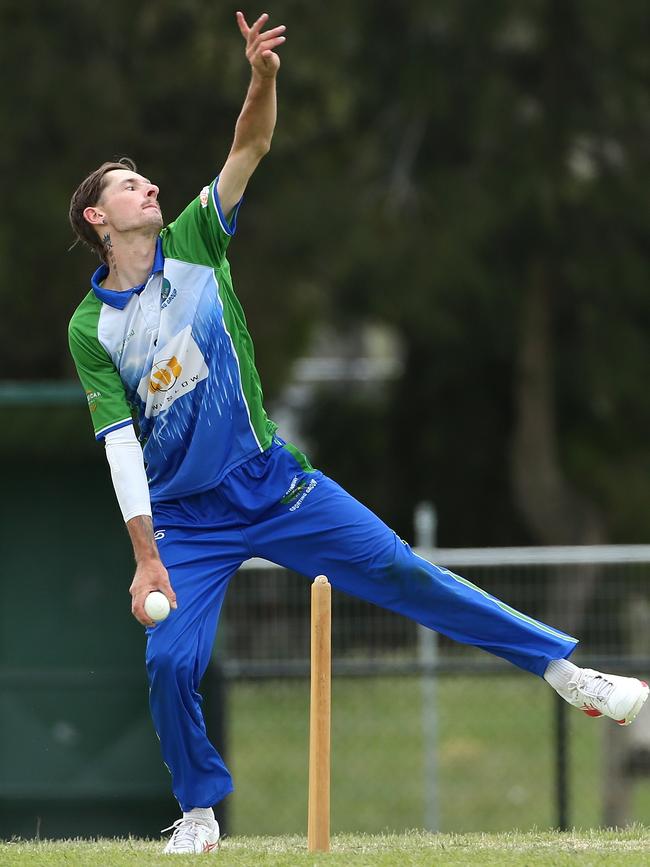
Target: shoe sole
{"x": 207, "y": 848}
{"x": 634, "y": 712}
{"x": 592, "y": 712}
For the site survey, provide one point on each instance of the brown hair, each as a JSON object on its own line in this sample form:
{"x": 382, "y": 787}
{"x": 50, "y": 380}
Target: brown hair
{"x": 88, "y": 194}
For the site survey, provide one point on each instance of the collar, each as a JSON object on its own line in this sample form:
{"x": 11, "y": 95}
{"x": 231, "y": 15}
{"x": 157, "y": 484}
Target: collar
{"x": 120, "y": 299}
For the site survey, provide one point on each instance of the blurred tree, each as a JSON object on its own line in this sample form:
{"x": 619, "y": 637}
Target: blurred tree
{"x": 504, "y": 229}
{"x": 162, "y": 82}
{"x": 472, "y": 173}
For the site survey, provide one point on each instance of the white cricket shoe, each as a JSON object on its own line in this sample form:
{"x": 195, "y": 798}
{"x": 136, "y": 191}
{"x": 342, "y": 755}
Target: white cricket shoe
{"x": 192, "y": 836}
{"x": 620, "y": 698}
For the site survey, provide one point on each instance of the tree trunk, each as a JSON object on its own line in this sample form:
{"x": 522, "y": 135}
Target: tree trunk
{"x": 554, "y": 511}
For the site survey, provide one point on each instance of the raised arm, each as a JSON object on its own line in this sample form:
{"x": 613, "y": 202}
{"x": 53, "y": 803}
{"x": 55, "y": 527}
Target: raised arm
{"x": 256, "y": 122}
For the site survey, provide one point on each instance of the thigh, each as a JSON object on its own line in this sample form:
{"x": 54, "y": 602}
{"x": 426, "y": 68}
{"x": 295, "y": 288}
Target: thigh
{"x": 201, "y": 556}
{"x": 327, "y": 531}
{"x": 333, "y": 534}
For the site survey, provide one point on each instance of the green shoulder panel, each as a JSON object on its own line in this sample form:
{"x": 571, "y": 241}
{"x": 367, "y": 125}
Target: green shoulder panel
{"x": 201, "y": 233}
{"x": 104, "y": 389}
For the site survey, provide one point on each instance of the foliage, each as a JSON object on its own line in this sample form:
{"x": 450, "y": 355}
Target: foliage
{"x": 508, "y": 138}
{"x": 429, "y": 161}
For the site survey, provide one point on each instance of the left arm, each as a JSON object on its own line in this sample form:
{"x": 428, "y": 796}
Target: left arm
{"x": 256, "y": 122}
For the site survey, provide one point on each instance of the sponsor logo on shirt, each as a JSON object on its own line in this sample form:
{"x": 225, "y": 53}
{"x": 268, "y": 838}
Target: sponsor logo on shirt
{"x": 167, "y": 294}
{"x": 295, "y": 489}
{"x": 204, "y": 197}
{"x": 164, "y": 374}
{"x": 301, "y": 499}
{"x": 176, "y": 370}
{"x": 92, "y": 397}
{"x": 297, "y": 492}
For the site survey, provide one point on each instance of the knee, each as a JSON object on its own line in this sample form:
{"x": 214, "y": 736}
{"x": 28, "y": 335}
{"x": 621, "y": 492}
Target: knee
{"x": 403, "y": 563}
{"x": 166, "y": 664}
{"x": 413, "y": 575}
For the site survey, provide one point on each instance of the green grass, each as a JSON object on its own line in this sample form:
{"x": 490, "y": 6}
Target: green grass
{"x": 631, "y": 846}
{"x": 496, "y": 757}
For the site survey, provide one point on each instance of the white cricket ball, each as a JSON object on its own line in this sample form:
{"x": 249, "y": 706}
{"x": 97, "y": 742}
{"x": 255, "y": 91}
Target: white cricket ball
{"x": 157, "y": 605}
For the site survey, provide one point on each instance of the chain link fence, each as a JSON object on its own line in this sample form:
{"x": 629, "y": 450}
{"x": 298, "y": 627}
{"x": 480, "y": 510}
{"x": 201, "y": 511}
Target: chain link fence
{"x": 427, "y": 732}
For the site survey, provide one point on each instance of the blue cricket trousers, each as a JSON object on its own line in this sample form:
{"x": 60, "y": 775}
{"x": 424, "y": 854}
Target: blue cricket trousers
{"x": 271, "y": 507}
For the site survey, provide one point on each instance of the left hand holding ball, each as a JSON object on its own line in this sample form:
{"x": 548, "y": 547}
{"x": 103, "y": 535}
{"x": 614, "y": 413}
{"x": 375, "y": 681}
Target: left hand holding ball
{"x": 156, "y": 605}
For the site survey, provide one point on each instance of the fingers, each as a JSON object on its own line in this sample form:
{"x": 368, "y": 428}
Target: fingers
{"x": 137, "y": 609}
{"x": 142, "y": 586}
{"x": 270, "y": 34}
{"x": 254, "y": 36}
{"x": 261, "y": 21}
{"x": 250, "y": 32}
{"x": 243, "y": 26}
{"x": 165, "y": 587}
{"x": 261, "y": 53}
{"x": 137, "y": 606}
{"x": 265, "y": 48}
{"x": 169, "y": 593}
{"x": 266, "y": 41}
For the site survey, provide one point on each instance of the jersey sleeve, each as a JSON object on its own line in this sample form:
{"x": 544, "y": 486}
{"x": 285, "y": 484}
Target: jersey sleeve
{"x": 109, "y": 408}
{"x": 201, "y": 233}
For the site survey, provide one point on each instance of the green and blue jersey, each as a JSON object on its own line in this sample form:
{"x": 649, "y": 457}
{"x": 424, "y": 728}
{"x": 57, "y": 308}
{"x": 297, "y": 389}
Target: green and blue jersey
{"x": 175, "y": 356}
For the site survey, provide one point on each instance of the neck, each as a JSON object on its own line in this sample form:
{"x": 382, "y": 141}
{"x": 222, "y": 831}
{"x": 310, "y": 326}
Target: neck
{"x": 129, "y": 258}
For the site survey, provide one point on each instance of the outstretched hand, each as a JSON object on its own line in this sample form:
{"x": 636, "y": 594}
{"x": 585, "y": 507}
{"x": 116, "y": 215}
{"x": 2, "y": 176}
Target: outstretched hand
{"x": 260, "y": 44}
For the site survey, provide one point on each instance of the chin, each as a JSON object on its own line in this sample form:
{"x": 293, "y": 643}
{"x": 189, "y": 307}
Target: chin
{"x": 154, "y": 219}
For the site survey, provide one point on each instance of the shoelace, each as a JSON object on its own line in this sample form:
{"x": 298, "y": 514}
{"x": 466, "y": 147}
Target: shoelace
{"x": 595, "y": 687}
{"x": 184, "y": 832}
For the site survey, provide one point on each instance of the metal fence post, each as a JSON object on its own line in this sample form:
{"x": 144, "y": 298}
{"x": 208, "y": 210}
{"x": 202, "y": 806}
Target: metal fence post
{"x": 425, "y": 521}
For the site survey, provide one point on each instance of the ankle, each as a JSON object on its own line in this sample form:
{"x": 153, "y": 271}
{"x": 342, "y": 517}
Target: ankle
{"x": 204, "y": 814}
{"x": 560, "y": 672}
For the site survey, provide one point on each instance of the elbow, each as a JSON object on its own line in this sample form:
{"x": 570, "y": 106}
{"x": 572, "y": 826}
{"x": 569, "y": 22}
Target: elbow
{"x": 262, "y": 147}
{"x": 257, "y": 150}
{"x": 250, "y": 153}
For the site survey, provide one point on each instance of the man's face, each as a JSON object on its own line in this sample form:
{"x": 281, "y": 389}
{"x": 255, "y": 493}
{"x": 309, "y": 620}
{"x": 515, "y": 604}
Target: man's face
{"x": 130, "y": 202}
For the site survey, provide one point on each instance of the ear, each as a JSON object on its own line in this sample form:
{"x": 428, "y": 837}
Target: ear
{"x": 94, "y": 216}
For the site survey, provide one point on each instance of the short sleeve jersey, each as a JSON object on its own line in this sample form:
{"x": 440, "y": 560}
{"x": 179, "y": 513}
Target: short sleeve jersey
{"x": 175, "y": 355}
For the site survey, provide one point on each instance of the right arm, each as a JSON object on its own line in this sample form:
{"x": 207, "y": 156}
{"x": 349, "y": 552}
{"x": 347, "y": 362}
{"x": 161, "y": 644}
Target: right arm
{"x": 111, "y": 417}
{"x": 150, "y": 574}
{"x": 132, "y": 490}
{"x": 204, "y": 229}
{"x": 256, "y": 122}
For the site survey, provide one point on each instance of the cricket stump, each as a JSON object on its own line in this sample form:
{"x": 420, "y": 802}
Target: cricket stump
{"x": 320, "y": 709}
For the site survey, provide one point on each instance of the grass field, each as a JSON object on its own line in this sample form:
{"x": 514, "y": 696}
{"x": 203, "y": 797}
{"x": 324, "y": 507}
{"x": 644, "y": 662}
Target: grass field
{"x": 495, "y": 757}
{"x": 631, "y": 847}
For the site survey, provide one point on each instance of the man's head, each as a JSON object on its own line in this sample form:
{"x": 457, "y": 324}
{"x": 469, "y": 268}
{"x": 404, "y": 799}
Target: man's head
{"x": 114, "y": 199}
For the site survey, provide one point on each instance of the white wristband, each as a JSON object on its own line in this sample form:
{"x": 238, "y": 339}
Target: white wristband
{"x": 124, "y": 455}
